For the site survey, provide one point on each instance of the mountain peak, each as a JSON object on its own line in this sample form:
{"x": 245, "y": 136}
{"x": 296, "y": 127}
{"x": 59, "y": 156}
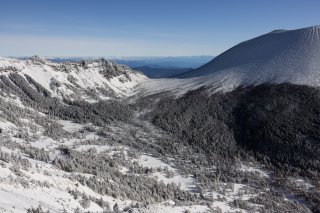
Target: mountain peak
{"x": 38, "y": 59}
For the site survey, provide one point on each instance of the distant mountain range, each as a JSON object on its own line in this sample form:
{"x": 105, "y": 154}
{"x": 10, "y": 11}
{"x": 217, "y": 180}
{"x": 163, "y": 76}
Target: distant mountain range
{"x": 163, "y": 67}
{"x": 165, "y": 62}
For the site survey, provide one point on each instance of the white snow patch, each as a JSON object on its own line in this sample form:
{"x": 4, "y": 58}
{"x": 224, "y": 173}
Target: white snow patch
{"x": 252, "y": 169}
{"x": 70, "y": 126}
{"x": 186, "y": 182}
{"x": 166, "y": 208}
{"x": 99, "y": 148}
{"x": 152, "y": 162}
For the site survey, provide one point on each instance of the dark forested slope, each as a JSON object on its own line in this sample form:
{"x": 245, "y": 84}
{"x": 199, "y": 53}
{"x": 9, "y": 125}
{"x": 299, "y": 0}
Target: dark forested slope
{"x": 278, "y": 123}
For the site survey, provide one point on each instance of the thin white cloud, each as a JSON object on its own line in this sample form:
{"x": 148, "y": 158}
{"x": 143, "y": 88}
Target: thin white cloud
{"x": 24, "y": 45}
{"x": 89, "y": 30}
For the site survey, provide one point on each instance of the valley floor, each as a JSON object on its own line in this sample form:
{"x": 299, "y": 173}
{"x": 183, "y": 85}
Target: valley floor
{"x": 125, "y": 166}
{"x": 29, "y": 176}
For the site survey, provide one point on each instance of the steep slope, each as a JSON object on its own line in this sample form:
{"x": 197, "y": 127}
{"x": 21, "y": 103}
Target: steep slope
{"x": 279, "y": 56}
{"x": 86, "y": 80}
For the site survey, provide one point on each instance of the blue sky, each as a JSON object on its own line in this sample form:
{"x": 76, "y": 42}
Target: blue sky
{"x": 143, "y": 27}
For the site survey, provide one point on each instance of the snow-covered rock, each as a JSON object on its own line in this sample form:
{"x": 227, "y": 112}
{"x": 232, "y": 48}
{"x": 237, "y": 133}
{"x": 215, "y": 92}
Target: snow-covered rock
{"x": 86, "y": 80}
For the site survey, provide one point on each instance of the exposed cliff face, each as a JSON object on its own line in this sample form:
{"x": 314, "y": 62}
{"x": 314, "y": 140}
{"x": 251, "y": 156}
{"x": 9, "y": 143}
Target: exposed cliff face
{"x": 86, "y": 80}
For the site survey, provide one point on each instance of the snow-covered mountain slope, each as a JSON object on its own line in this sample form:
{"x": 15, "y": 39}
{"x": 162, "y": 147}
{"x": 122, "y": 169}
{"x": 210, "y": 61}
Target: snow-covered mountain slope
{"x": 86, "y": 80}
{"x": 279, "y": 56}
{"x": 292, "y": 55}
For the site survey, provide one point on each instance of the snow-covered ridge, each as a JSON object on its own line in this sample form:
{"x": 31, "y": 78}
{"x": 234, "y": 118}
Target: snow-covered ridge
{"x": 77, "y": 80}
{"x": 279, "y": 56}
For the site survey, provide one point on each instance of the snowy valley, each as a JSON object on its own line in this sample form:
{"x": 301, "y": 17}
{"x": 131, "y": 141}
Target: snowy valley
{"x": 96, "y": 136}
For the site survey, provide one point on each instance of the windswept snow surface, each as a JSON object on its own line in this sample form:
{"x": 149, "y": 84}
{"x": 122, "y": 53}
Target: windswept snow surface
{"x": 276, "y": 57}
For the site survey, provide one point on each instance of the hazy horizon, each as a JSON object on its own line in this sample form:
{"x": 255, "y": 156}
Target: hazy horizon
{"x": 142, "y": 28}
{"x": 101, "y": 56}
